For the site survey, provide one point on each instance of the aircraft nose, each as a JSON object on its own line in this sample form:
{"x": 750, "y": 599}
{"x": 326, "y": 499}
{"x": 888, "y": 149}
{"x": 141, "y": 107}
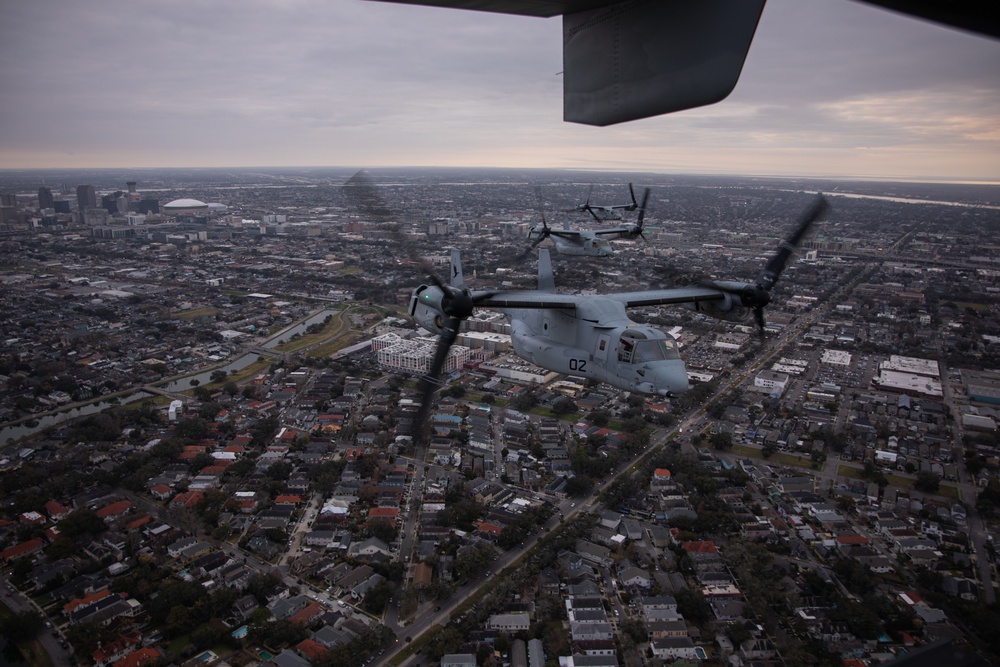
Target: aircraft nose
{"x": 672, "y": 377}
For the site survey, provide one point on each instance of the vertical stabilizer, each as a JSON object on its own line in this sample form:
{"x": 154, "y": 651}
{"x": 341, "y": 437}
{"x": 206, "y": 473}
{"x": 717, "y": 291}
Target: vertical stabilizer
{"x": 457, "y": 279}
{"x": 546, "y": 283}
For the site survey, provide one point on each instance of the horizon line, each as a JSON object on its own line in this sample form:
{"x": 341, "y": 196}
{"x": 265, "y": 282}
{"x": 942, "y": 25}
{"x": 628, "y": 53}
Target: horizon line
{"x": 940, "y": 180}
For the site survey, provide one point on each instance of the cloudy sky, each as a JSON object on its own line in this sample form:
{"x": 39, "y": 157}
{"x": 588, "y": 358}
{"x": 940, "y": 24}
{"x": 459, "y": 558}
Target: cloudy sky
{"x": 830, "y": 88}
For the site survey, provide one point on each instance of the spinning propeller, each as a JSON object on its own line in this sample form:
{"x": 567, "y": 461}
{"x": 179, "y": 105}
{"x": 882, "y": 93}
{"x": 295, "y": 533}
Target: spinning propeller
{"x": 758, "y": 294}
{"x": 642, "y": 212}
{"x": 546, "y": 230}
{"x": 457, "y": 302}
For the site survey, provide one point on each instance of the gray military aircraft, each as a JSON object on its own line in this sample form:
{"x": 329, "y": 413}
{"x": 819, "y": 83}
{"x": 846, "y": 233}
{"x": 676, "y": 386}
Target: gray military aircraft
{"x": 592, "y": 336}
{"x": 605, "y": 212}
{"x": 590, "y": 242}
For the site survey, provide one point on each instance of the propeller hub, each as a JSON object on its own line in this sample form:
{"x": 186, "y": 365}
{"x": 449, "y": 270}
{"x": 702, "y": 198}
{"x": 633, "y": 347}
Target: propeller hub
{"x": 755, "y": 296}
{"x": 457, "y": 303}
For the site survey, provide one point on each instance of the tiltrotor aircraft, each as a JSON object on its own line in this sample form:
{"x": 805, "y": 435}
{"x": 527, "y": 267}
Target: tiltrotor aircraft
{"x": 605, "y": 212}
{"x": 589, "y": 242}
{"x": 586, "y": 336}
{"x": 592, "y": 336}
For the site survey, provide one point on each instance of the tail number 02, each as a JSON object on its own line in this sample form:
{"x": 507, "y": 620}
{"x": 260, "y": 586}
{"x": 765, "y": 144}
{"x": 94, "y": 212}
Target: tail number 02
{"x": 578, "y": 365}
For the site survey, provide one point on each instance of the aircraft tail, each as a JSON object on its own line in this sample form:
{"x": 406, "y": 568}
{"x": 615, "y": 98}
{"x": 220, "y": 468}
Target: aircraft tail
{"x": 457, "y": 279}
{"x": 546, "y": 281}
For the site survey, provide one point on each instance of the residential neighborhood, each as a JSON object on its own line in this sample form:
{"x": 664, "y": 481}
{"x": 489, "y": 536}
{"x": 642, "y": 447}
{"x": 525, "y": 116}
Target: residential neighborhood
{"x": 212, "y": 452}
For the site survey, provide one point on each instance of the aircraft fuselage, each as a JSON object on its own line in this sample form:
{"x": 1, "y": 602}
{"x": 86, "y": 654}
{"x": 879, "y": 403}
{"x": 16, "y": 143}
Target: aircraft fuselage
{"x": 598, "y": 341}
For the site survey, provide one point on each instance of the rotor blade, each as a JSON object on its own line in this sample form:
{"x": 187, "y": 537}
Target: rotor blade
{"x": 642, "y": 210}
{"x": 758, "y": 314}
{"x": 769, "y": 276}
{"x": 431, "y": 382}
{"x": 541, "y": 207}
{"x": 542, "y": 235}
{"x": 632, "y": 192}
{"x": 362, "y": 195}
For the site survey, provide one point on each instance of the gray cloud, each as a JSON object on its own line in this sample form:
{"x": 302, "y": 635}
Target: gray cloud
{"x": 829, "y": 87}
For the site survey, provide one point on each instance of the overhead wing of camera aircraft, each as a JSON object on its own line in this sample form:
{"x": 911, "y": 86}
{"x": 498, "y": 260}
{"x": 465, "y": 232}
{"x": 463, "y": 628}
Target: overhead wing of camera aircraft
{"x": 628, "y": 60}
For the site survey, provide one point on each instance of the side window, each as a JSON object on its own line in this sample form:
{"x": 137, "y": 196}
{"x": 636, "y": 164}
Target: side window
{"x": 625, "y": 350}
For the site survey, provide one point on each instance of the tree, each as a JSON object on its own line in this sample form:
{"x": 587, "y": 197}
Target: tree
{"x": 377, "y": 598}
{"x": 279, "y": 470}
{"x": 927, "y": 482}
{"x": 380, "y": 528}
{"x": 22, "y": 626}
{"x": 722, "y": 440}
{"x": 82, "y": 522}
{"x": 201, "y": 460}
{"x": 693, "y": 606}
{"x": 563, "y": 406}
{"x": 599, "y": 417}
{"x": 194, "y": 428}
{"x": 475, "y": 561}
{"x": 524, "y": 401}
{"x": 634, "y": 424}
{"x": 202, "y": 393}
{"x": 579, "y": 485}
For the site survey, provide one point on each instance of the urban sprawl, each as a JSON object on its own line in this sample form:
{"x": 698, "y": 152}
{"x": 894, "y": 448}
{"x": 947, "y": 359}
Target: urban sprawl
{"x": 208, "y": 384}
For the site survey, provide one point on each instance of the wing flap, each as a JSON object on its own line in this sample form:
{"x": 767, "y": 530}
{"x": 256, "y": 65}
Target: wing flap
{"x": 530, "y": 300}
{"x": 668, "y": 297}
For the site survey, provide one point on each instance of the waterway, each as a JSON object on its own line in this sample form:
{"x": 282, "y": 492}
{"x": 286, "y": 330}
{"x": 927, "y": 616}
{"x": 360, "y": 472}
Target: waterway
{"x": 286, "y": 335}
{"x": 909, "y": 200}
{"x": 18, "y": 431}
{"x": 188, "y": 381}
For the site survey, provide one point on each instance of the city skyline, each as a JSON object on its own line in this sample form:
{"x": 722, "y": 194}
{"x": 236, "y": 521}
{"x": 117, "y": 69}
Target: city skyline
{"x": 836, "y": 89}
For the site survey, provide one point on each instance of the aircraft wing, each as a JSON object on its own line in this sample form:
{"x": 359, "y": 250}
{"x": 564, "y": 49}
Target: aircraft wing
{"x": 540, "y": 8}
{"x": 527, "y": 299}
{"x": 537, "y": 300}
{"x": 668, "y": 297}
{"x": 628, "y": 60}
{"x": 613, "y": 230}
{"x": 567, "y": 233}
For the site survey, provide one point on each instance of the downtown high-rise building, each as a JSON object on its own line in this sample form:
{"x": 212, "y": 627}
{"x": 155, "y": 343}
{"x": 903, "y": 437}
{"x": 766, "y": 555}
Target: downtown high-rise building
{"x": 45, "y": 198}
{"x": 8, "y": 208}
{"x": 86, "y": 199}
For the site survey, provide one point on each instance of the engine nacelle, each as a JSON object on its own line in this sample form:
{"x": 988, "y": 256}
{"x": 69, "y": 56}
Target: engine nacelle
{"x": 425, "y": 308}
{"x": 728, "y": 308}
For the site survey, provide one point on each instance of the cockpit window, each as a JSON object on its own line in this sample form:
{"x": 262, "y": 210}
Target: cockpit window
{"x": 654, "y": 350}
{"x": 633, "y": 350}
